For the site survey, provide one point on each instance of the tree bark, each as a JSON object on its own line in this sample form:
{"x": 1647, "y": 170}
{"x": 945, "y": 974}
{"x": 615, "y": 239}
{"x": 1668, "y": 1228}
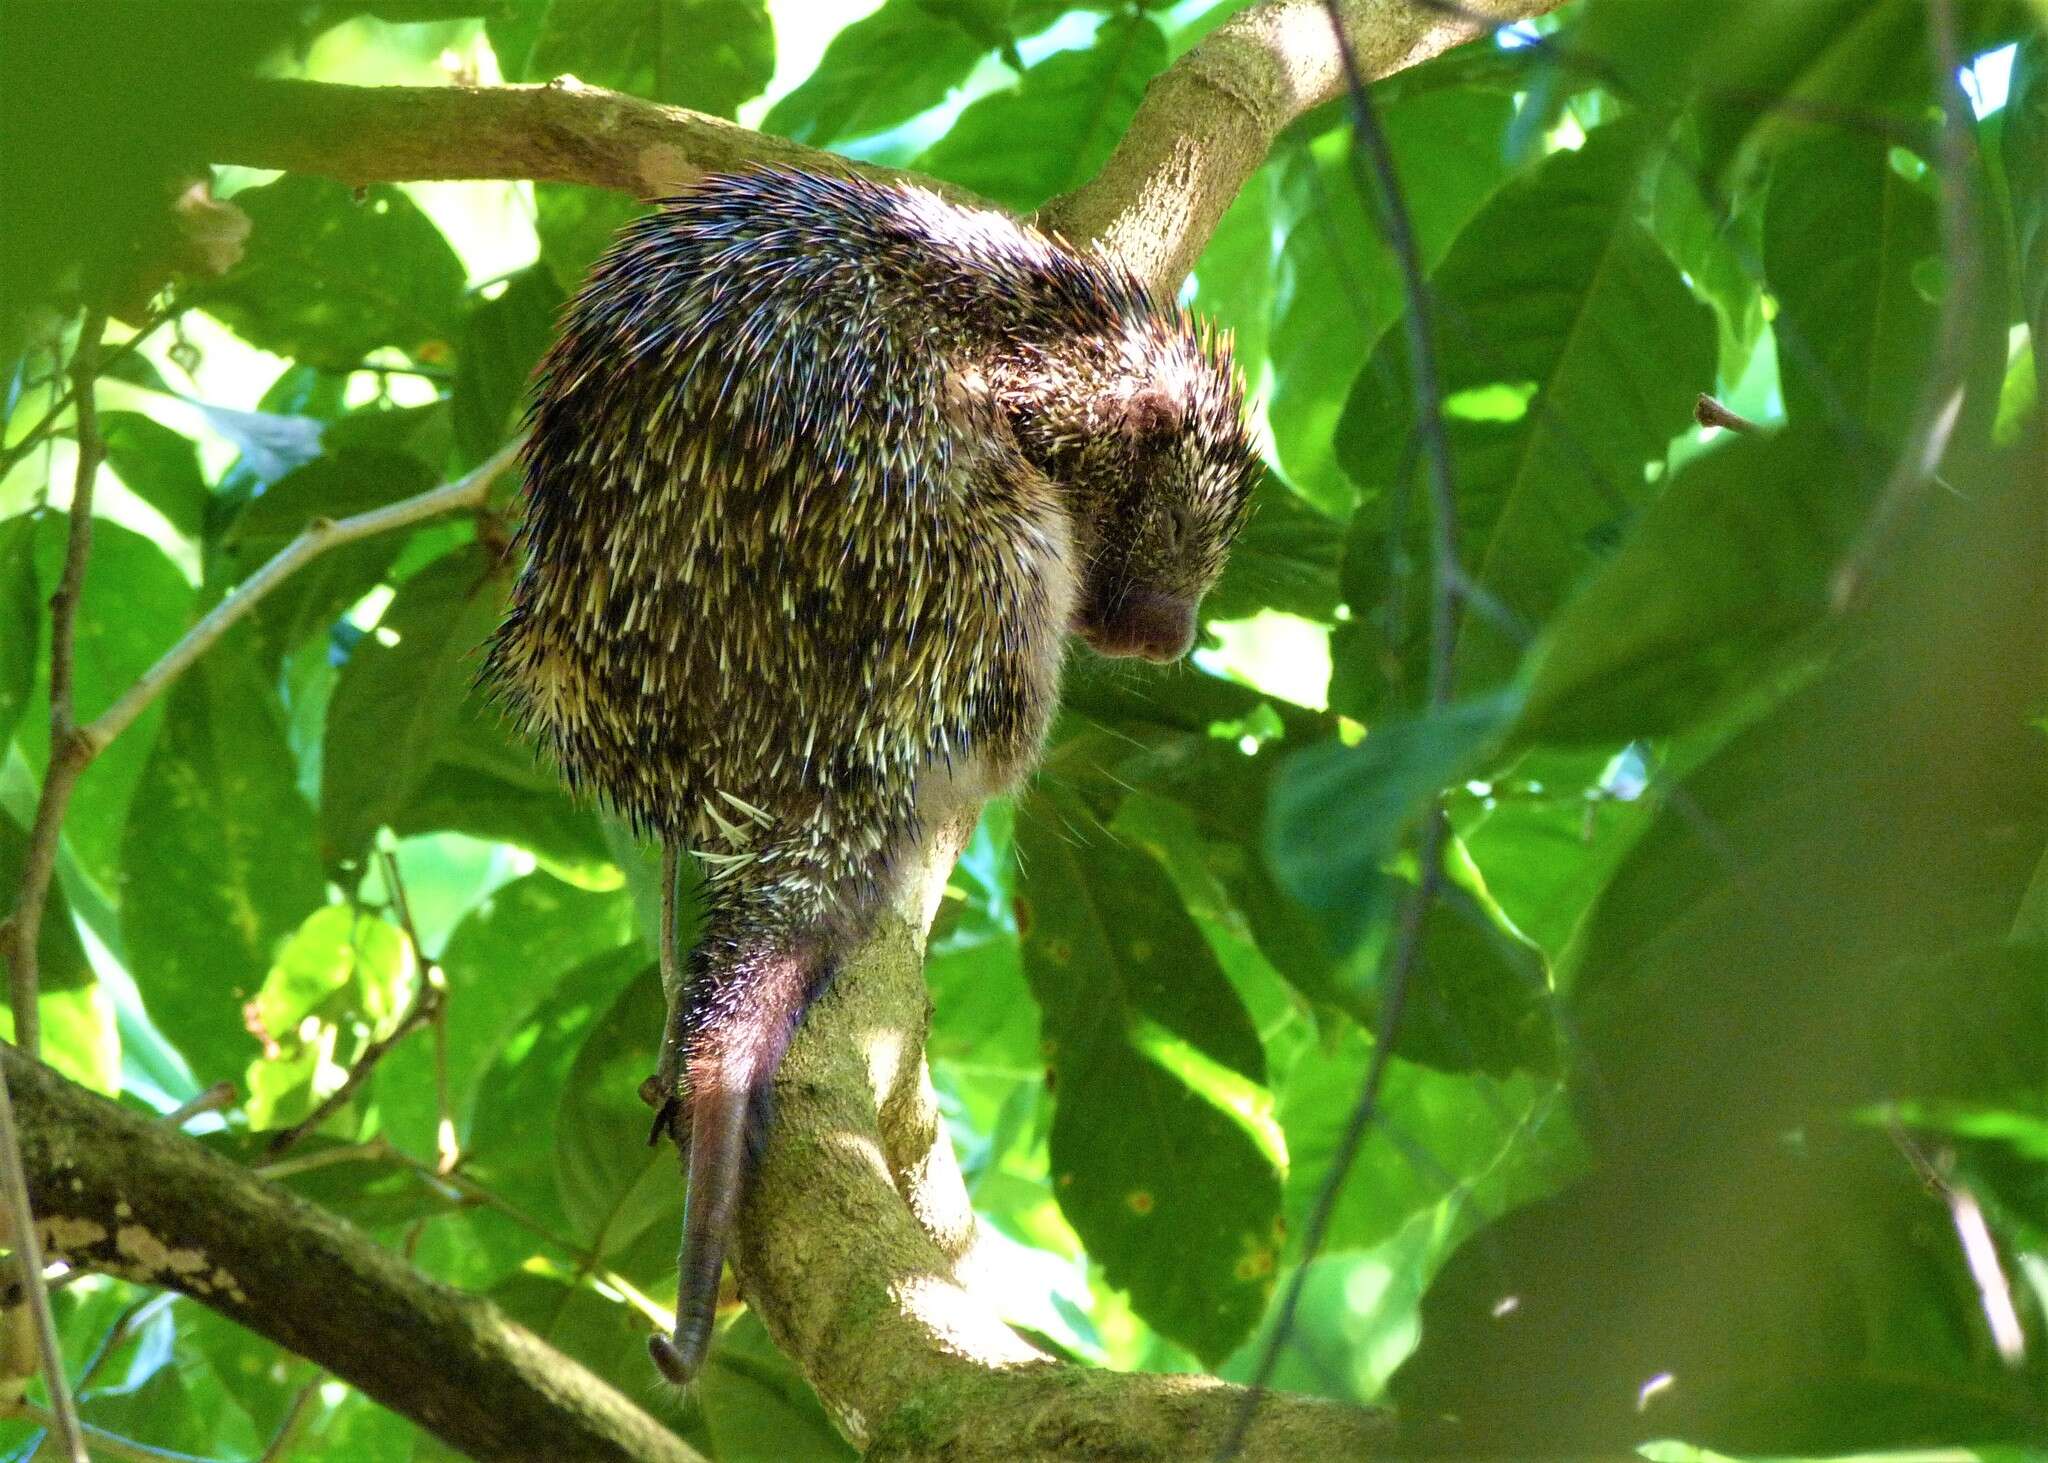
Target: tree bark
{"x": 115, "y": 1191}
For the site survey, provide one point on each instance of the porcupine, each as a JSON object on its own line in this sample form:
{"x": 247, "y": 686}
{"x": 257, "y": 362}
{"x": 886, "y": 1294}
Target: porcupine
{"x": 821, "y": 473}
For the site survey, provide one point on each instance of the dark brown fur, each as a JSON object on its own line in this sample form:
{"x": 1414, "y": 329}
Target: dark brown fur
{"x": 821, "y": 475}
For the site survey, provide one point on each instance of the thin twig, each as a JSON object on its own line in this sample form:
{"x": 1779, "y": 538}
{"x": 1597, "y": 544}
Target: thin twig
{"x": 215, "y": 1098}
{"x": 295, "y": 1419}
{"x": 1710, "y": 413}
{"x": 321, "y": 536}
{"x": 1941, "y": 401}
{"x": 23, "y": 931}
{"x": 26, "y": 443}
{"x": 421, "y": 1010}
{"x": 111, "y": 1445}
{"x": 28, "y": 1254}
{"x": 1384, "y": 185}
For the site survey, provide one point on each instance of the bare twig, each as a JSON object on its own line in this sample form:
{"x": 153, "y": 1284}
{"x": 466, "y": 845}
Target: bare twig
{"x": 106, "y": 1444}
{"x": 1941, "y": 401}
{"x": 215, "y": 1098}
{"x": 295, "y": 1419}
{"x": 426, "y": 1001}
{"x": 321, "y": 536}
{"x": 447, "y": 1150}
{"x": 23, "y": 930}
{"x": 23, "y": 445}
{"x": 1710, "y": 413}
{"x": 1384, "y": 186}
{"x": 28, "y": 1254}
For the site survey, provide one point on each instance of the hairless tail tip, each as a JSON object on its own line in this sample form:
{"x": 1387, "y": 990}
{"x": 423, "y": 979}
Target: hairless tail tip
{"x": 678, "y": 1362}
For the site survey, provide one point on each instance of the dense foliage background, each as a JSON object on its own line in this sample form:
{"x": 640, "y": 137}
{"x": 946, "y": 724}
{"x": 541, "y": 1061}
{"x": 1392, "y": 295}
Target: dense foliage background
{"x": 1728, "y": 1036}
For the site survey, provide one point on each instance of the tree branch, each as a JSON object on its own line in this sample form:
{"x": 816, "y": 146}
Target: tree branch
{"x": 1208, "y": 120}
{"x": 1205, "y": 125}
{"x": 561, "y": 132}
{"x": 857, "y": 1249}
{"x": 119, "y": 1192}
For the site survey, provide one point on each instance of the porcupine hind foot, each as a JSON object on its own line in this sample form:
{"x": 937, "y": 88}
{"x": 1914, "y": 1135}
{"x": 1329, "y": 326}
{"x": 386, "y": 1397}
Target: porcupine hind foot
{"x": 664, "y": 1091}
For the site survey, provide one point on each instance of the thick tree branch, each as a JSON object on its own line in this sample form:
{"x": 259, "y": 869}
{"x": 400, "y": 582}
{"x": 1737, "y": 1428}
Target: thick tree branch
{"x": 857, "y": 1248}
{"x": 562, "y": 132}
{"x": 1208, "y": 121}
{"x": 118, "y": 1192}
{"x": 1205, "y": 126}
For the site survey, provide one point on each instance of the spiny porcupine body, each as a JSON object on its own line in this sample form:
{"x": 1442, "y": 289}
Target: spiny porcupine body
{"x": 821, "y": 475}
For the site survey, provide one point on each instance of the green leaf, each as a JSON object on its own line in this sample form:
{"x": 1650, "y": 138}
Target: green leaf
{"x": 1337, "y": 813}
{"x": 709, "y": 55}
{"x": 502, "y": 340}
{"x": 1166, "y": 1185}
{"x": 1336, "y": 288}
{"x": 1803, "y": 1298}
{"x": 400, "y": 692}
{"x": 502, "y": 962}
{"x": 1706, "y": 597}
{"x": 159, "y": 466}
{"x": 881, "y": 70}
{"x": 341, "y": 980}
{"x": 327, "y": 279}
{"x": 615, "y": 1186}
{"x": 1073, "y": 105}
{"x": 1285, "y": 559}
{"x": 758, "y": 1406}
{"x": 1891, "y": 809}
{"x": 2024, "y": 146}
{"x": 575, "y": 225}
{"x": 134, "y": 607}
{"x": 1844, "y": 233}
{"x": 21, "y": 606}
{"x": 218, "y": 861}
{"x": 1554, "y": 288}
{"x": 528, "y": 1079}
{"x": 1465, "y": 1146}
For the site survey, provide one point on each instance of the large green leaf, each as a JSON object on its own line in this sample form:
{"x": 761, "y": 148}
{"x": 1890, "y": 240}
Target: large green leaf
{"x": 399, "y": 694}
{"x": 1465, "y": 1146}
{"x": 1338, "y": 812}
{"x": 335, "y": 485}
{"x": 2024, "y": 143}
{"x": 1793, "y": 1299}
{"x": 1844, "y": 236}
{"x": 1554, "y": 295}
{"x": 501, "y": 963}
{"x": 1336, "y": 289}
{"x": 218, "y": 862}
{"x": 502, "y": 339}
{"x": 1705, "y": 597}
{"x": 508, "y": 1150}
{"x": 881, "y": 70}
{"x": 159, "y": 466}
{"x": 615, "y": 1185}
{"x": 1073, "y": 105}
{"x": 1159, "y": 1155}
{"x": 757, "y": 1405}
{"x": 328, "y": 279}
{"x": 709, "y": 55}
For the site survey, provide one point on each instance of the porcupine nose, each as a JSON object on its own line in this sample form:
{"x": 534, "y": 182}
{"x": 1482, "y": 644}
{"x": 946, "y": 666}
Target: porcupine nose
{"x": 1158, "y": 627}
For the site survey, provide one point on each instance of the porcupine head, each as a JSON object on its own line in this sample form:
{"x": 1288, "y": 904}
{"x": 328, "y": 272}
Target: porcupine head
{"x": 822, "y": 473}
